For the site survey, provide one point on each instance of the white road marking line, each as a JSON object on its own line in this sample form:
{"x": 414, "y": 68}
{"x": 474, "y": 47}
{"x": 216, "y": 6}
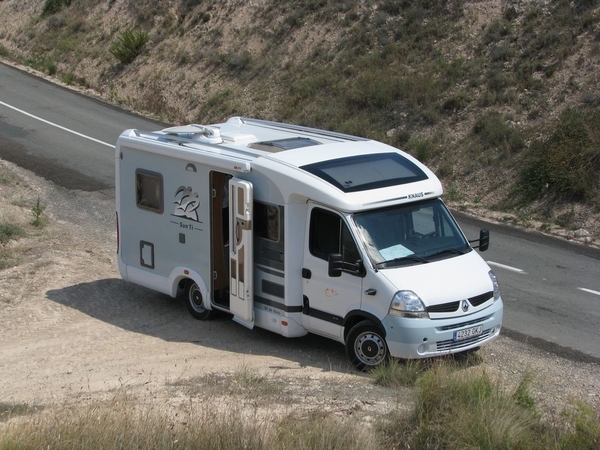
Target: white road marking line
{"x": 589, "y": 291}
{"x": 56, "y": 125}
{"x": 502, "y": 266}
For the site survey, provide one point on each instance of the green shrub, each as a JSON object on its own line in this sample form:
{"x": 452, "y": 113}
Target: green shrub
{"x": 458, "y": 410}
{"x": 585, "y": 432}
{"x": 495, "y": 133}
{"x": 456, "y": 102}
{"x": 4, "y": 52}
{"x": 129, "y": 45}
{"x": 43, "y": 63}
{"x": 396, "y": 373}
{"x": 9, "y": 231}
{"x": 54, "y": 6}
{"x": 567, "y": 163}
{"x": 68, "y": 78}
{"x": 51, "y": 68}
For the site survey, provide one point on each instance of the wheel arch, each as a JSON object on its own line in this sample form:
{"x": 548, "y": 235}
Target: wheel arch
{"x": 357, "y": 316}
{"x": 182, "y": 274}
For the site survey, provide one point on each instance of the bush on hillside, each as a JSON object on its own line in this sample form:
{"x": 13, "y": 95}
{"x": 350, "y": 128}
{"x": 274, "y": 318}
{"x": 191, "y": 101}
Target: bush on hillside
{"x": 54, "y": 6}
{"x": 567, "y": 164}
{"x": 129, "y": 45}
{"x": 495, "y": 133}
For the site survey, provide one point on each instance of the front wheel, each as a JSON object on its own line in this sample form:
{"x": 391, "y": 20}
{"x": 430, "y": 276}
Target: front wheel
{"x": 195, "y": 302}
{"x": 366, "y": 346}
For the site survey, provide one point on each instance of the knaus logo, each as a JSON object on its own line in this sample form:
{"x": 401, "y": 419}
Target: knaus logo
{"x": 186, "y": 203}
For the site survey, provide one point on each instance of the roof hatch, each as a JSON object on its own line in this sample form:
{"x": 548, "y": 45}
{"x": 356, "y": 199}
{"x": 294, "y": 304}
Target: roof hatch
{"x": 284, "y": 144}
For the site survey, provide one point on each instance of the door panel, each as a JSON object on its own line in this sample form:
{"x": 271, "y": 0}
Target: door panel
{"x": 241, "y": 252}
{"x": 328, "y": 299}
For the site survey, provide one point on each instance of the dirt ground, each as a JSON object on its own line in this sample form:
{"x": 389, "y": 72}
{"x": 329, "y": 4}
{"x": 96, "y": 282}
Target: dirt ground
{"x": 73, "y": 331}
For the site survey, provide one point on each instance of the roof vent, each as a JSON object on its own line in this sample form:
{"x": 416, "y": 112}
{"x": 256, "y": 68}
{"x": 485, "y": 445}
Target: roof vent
{"x": 196, "y": 132}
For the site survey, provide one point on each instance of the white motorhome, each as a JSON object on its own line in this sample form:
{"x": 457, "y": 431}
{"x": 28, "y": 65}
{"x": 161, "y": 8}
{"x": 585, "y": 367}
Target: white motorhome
{"x": 299, "y": 230}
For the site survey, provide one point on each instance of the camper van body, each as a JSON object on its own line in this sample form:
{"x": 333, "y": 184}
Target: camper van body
{"x": 299, "y": 230}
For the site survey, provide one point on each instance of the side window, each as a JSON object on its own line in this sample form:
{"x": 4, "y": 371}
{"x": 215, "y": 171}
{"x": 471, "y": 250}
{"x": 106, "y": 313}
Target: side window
{"x": 149, "y": 191}
{"x": 266, "y": 221}
{"x": 330, "y": 234}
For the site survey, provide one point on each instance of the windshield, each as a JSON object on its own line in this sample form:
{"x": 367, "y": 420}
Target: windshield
{"x": 410, "y": 234}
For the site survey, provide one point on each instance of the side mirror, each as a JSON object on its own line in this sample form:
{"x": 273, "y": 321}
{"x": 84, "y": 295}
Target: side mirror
{"x": 484, "y": 240}
{"x": 335, "y": 265}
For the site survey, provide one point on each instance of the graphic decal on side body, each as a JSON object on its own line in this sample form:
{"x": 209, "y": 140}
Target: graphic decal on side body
{"x": 186, "y": 203}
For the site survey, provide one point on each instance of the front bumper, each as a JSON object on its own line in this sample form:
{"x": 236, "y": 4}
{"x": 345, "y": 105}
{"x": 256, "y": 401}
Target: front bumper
{"x": 421, "y": 338}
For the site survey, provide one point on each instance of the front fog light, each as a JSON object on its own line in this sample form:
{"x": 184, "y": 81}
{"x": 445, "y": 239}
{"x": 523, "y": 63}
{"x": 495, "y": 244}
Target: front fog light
{"x": 408, "y": 304}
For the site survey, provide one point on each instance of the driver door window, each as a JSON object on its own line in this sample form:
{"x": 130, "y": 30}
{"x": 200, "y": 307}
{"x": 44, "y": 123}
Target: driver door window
{"x": 330, "y": 234}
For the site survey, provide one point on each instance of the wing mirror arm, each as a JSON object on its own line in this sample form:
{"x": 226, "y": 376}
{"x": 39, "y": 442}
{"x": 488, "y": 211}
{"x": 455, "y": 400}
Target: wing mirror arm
{"x": 336, "y": 266}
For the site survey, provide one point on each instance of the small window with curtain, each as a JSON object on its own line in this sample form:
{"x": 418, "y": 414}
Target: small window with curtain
{"x": 149, "y": 191}
{"x": 266, "y": 221}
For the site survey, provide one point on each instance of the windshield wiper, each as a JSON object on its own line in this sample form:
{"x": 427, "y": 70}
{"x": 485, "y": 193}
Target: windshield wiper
{"x": 453, "y": 251}
{"x": 408, "y": 258}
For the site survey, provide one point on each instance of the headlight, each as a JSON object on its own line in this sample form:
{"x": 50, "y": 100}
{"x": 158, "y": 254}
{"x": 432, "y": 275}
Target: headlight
{"x": 408, "y": 304}
{"x": 495, "y": 285}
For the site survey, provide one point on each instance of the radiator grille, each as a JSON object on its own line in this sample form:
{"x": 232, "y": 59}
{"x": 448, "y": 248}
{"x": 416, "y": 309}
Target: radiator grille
{"x": 453, "y": 306}
{"x": 444, "y": 308}
{"x": 481, "y": 299}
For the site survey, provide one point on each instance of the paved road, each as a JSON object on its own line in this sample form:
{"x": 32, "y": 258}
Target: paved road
{"x": 551, "y": 288}
{"x": 47, "y": 135}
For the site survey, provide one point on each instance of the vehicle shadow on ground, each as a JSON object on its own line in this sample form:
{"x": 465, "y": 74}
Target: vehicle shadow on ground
{"x": 140, "y": 310}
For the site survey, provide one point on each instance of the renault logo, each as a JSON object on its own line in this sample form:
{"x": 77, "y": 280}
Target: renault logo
{"x": 464, "y": 305}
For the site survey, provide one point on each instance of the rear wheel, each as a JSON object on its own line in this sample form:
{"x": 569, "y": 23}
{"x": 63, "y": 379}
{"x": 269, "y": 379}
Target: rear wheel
{"x": 366, "y": 346}
{"x": 195, "y": 302}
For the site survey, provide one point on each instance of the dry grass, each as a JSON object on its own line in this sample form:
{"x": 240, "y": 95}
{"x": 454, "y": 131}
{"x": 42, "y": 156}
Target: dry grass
{"x": 455, "y": 409}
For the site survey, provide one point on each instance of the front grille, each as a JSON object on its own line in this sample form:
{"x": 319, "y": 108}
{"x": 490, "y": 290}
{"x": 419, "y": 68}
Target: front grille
{"x": 453, "y": 306}
{"x": 463, "y": 324}
{"x": 481, "y": 299}
{"x": 444, "y": 308}
{"x": 451, "y": 344}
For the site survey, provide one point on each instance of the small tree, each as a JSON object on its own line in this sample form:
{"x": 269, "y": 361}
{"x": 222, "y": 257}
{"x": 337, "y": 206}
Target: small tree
{"x": 37, "y": 212}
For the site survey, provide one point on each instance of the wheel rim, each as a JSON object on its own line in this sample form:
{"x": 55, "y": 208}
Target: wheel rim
{"x": 370, "y": 349}
{"x": 195, "y": 299}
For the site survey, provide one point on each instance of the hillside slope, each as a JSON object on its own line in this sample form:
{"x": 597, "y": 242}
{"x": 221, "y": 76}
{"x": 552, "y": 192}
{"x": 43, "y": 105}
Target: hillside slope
{"x": 500, "y": 97}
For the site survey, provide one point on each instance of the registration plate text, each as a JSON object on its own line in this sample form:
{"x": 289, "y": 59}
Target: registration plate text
{"x": 468, "y": 332}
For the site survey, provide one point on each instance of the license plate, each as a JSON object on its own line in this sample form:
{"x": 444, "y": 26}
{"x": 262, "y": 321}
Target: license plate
{"x": 468, "y": 332}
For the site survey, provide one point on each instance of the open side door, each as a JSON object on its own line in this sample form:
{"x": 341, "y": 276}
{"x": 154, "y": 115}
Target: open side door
{"x": 241, "y": 252}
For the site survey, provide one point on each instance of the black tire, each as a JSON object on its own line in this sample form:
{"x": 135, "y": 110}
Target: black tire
{"x": 195, "y": 302}
{"x": 366, "y": 346}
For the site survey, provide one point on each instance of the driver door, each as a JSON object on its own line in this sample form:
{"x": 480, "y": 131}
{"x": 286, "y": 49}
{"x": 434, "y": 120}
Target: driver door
{"x": 326, "y": 299}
